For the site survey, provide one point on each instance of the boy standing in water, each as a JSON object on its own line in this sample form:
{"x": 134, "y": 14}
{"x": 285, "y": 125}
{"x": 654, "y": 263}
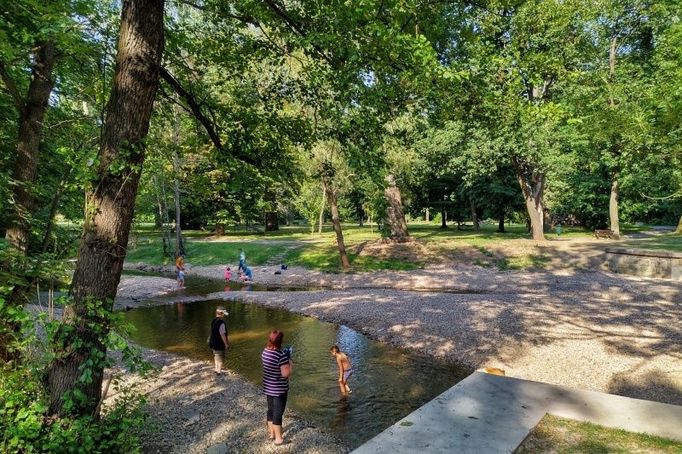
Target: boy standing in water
{"x": 345, "y": 368}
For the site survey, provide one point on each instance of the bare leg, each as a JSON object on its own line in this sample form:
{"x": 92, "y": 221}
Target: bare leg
{"x": 218, "y": 363}
{"x": 271, "y": 431}
{"x": 342, "y": 387}
{"x": 278, "y": 434}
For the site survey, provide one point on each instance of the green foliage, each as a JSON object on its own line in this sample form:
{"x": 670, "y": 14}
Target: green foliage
{"x": 26, "y": 427}
{"x": 25, "y": 424}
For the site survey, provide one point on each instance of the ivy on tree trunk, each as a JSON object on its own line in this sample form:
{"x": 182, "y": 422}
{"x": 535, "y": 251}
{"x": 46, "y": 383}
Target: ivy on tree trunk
{"x": 76, "y": 371}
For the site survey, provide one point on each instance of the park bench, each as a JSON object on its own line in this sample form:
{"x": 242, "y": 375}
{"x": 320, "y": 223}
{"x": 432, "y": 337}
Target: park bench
{"x": 604, "y": 234}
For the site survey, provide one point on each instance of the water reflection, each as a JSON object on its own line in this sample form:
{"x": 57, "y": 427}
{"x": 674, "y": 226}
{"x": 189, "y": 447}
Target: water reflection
{"x": 387, "y": 383}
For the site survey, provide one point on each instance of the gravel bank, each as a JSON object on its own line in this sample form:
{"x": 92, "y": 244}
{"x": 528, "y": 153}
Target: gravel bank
{"x": 588, "y": 329}
{"x": 591, "y": 330}
{"x": 192, "y": 410}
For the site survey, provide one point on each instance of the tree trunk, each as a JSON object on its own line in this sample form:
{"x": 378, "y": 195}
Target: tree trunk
{"x": 179, "y": 245}
{"x": 324, "y": 204}
{"x": 613, "y": 199}
{"x": 53, "y": 209}
{"x": 679, "y": 226}
{"x": 613, "y": 206}
{"x": 31, "y": 118}
{"x": 163, "y": 216}
{"x": 443, "y": 218}
{"x": 474, "y": 216}
{"x": 271, "y": 221}
{"x": 427, "y": 215}
{"x": 336, "y": 223}
{"x": 533, "y": 186}
{"x": 395, "y": 216}
{"x": 500, "y": 225}
{"x": 79, "y": 346}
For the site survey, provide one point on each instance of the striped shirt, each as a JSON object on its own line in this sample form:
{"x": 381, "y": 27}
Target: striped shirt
{"x": 273, "y": 382}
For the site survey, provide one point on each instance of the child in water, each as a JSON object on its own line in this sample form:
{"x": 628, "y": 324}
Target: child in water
{"x": 181, "y": 279}
{"x": 345, "y": 368}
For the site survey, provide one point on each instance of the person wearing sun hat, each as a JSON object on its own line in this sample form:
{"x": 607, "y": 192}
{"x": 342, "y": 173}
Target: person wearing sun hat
{"x": 219, "y": 342}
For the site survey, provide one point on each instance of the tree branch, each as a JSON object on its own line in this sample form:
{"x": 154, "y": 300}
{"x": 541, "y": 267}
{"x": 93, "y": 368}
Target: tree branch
{"x": 298, "y": 29}
{"x": 11, "y": 88}
{"x": 199, "y": 115}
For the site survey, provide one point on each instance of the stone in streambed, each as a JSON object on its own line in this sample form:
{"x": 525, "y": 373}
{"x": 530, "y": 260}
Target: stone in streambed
{"x": 220, "y": 448}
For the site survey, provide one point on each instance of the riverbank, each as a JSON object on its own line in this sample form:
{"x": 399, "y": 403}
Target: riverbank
{"x": 191, "y": 410}
{"x": 591, "y": 330}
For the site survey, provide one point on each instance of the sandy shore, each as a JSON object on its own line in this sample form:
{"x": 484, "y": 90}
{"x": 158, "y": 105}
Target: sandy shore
{"x": 592, "y": 330}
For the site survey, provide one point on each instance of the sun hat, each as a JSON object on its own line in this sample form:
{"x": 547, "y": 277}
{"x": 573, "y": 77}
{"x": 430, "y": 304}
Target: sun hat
{"x": 222, "y": 310}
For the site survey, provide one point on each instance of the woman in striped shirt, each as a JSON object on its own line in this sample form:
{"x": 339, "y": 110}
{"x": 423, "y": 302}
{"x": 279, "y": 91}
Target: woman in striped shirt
{"x": 277, "y": 367}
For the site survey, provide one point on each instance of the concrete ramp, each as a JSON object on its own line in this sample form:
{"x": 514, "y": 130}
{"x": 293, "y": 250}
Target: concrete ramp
{"x": 493, "y": 414}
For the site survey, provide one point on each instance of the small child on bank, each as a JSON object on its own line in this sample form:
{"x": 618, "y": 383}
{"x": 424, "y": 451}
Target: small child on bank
{"x": 345, "y": 368}
{"x": 228, "y": 274}
{"x": 247, "y": 275}
{"x": 181, "y": 278}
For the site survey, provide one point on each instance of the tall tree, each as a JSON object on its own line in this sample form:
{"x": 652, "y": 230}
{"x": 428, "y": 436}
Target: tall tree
{"x": 76, "y": 372}
{"x": 22, "y": 20}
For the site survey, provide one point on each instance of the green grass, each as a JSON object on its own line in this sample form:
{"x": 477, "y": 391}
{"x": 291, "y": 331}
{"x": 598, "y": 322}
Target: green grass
{"x": 558, "y": 435}
{"x": 326, "y": 258}
{"x": 298, "y": 246}
{"x": 524, "y": 262}
{"x": 149, "y": 250}
{"x": 668, "y": 242}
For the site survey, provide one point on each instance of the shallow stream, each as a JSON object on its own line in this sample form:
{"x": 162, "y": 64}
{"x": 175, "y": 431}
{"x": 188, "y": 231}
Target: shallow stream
{"x": 387, "y": 383}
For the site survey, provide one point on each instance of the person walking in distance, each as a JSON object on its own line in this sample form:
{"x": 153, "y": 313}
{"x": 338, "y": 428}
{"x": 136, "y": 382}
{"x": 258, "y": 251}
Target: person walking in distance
{"x": 242, "y": 260}
{"x": 277, "y": 367}
{"x": 218, "y": 341}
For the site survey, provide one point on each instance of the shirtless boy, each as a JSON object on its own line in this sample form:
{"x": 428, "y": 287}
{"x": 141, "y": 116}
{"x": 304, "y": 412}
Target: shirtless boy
{"x": 345, "y": 368}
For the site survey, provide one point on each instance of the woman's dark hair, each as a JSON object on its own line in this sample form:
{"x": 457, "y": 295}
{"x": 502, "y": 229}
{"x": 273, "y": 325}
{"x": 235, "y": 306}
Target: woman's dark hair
{"x": 275, "y": 340}
{"x": 334, "y": 349}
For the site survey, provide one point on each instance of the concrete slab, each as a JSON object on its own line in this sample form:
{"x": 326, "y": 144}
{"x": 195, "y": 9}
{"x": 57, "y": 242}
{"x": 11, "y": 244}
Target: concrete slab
{"x": 493, "y": 414}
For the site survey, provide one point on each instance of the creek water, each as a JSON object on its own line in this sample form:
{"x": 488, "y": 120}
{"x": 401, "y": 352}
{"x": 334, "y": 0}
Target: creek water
{"x": 387, "y": 383}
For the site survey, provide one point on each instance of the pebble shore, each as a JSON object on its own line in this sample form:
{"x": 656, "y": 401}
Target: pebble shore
{"x": 191, "y": 410}
{"x": 585, "y": 329}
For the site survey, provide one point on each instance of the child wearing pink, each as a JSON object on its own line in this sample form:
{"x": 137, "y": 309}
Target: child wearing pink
{"x": 228, "y": 274}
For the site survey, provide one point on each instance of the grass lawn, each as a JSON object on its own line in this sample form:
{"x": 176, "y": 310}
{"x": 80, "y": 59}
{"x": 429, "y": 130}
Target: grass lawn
{"x": 668, "y": 242}
{"x": 295, "y": 245}
{"x": 150, "y": 250}
{"x": 558, "y": 435}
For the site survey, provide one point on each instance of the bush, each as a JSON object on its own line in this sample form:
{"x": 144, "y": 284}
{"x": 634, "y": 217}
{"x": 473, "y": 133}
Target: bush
{"x": 26, "y": 427}
{"x": 25, "y": 422}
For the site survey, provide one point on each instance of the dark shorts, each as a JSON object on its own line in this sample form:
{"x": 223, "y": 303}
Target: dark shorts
{"x": 276, "y": 406}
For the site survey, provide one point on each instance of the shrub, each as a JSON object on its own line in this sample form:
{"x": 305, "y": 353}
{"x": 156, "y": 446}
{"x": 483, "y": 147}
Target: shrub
{"x": 26, "y": 427}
